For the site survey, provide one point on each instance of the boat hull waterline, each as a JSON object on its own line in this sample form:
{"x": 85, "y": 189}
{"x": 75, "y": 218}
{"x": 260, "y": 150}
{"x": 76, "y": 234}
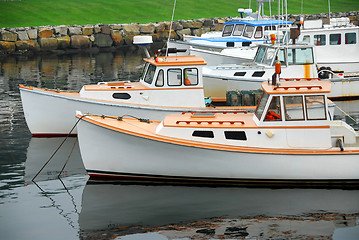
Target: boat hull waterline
{"x": 154, "y": 157}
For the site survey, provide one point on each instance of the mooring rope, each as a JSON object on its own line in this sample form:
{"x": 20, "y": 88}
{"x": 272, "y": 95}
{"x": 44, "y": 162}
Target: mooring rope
{"x": 58, "y": 148}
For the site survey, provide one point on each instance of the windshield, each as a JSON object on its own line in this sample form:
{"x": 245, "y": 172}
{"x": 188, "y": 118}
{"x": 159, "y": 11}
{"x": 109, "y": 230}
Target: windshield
{"x": 150, "y": 74}
{"x": 260, "y": 54}
{"x": 238, "y": 30}
{"x": 227, "y": 30}
{"x": 269, "y": 56}
{"x": 300, "y": 56}
{"x": 261, "y": 105}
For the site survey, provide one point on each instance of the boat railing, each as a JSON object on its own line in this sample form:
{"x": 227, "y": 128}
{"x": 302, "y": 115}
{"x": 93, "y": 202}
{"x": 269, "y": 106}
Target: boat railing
{"x": 298, "y": 87}
{"x": 205, "y": 113}
{"x": 220, "y": 122}
{"x": 299, "y": 79}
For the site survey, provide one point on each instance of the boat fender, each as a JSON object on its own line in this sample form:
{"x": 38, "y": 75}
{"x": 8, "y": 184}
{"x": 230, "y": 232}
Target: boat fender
{"x": 269, "y": 133}
{"x": 340, "y": 144}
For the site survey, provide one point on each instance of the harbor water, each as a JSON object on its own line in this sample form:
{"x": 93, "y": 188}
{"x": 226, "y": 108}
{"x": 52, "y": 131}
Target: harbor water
{"x": 62, "y": 203}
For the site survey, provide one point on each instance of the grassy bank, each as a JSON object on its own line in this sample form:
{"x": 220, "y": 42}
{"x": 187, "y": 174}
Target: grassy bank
{"x": 55, "y": 12}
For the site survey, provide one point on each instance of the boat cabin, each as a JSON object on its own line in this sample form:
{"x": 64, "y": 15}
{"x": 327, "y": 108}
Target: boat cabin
{"x": 290, "y": 115}
{"x": 174, "y": 81}
{"x": 242, "y": 33}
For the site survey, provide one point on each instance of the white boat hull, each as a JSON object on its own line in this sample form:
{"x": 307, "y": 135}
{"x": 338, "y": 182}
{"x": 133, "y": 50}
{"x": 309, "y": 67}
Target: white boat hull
{"x": 52, "y": 114}
{"x": 119, "y": 153}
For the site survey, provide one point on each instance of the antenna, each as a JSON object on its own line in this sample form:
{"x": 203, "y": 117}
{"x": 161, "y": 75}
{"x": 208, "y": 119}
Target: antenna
{"x": 169, "y": 34}
{"x": 329, "y": 9}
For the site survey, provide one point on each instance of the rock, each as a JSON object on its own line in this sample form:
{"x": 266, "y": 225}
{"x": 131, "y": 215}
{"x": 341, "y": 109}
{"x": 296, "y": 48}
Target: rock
{"x": 177, "y": 26}
{"x": 32, "y": 33}
{"x": 187, "y": 24}
{"x": 106, "y": 29}
{"x": 80, "y": 41}
{"x": 87, "y": 30}
{"x": 117, "y": 37}
{"x": 48, "y": 43}
{"x": 160, "y": 27}
{"x": 45, "y": 33}
{"x": 97, "y": 29}
{"x": 147, "y": 28}
{"x": 75, "y": 31}
{"x": 61, "y": 30}
{"x": 103, "y": 40}
{"x": 197, "y": 24}
{"x": 186, "y": 31}
{"x": 8, "y": 36}
{"x": 116, "y": 27}
{"x": 23, "y": 35}
{"x": 25, "y": 45}
{"x": 131, "y": 29}
{"x": 63, "y": 42}
{"x": 207, "y": 22}
{"x": 7, "y": 47}
{"x": 197, "y": 32}
{"x": 163, "y": 35}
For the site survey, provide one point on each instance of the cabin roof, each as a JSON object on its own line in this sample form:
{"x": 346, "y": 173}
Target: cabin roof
{"x": 297, "y": 87}
{"x": 230, "y": 119}
{"x": 260, "y": 22}
{"x": 176, "y": 60}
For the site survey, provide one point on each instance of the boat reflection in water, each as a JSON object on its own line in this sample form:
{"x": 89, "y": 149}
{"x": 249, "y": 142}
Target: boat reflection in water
{"x": 188, "y": 211}
{"x": 40, "y": 151}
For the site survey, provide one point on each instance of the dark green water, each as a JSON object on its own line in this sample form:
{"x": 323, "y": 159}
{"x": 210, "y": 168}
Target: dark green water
{"x": 74, "y": 208}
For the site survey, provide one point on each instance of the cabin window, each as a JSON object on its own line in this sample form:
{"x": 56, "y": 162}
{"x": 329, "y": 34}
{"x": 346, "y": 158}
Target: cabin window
{"x": 300, "y": 56}
{"x": 239, "y": 74}
{"x": 319, "y": 40}
{"x": 258, "y": 33}
{"x": 160, "y": 79}
{"x": 150, "y": 74}
{"x": 273, "y": 112}
{"x": 269, "y": 56}
{"x": 315, "y": 105}
{"x": 306, "y": 38}
{"x": 293, "y": 108}
{"x": 190, "y": 76}
{"x": 235, "y": 135}
{"x": 124, "y": 96}
{"x": 238, "y": 30}
{"x": 350, "y": 38}
{"x": 174, "y": 77}
{"x": 227, "y": 30}
{"x": 335, "y": 39}
{"x": 261, "y": 105}
{"x": 258, "y": 74}
{"x": 204, "y": 134}
{"x": 248, "y": 32}
{"x": 281, "y": 56}
{"x": 267, "y": 28}
{"x": 260, "y": 54}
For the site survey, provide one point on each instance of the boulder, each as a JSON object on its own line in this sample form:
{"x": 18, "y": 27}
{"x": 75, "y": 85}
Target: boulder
{"x": 105, "y": 29}
{"x": 48, "y": 43}
{"x": 160, "y": 27}
{"x": 87, "y": 30}
{"x": 23, "y": 35}
{"x": 75, "y": 31}
{"x": 32, "y": 33}
{"x": 131, "y": 29}
{"x": 45, "y": 33}
{"x": 80, "y": 41}
{"x": 177, "y": 26}
{"x": 63, "y": 42}
{"x": 187, "y": 24}
{"x": 117, "y": 37}
{"x": 61, "y": 30}
{"x": 25, "y": 45}
{"x": 97, "y": 29}
{"x": 8, "y": 36}
{"x": 197, "y": 24}
{"x": 186, "y": 31}
{"x": 147, "y": 28}
{"x": 103, "y": 40}
{"x": 7, "y": 47}
{"x": 197, "y": 32}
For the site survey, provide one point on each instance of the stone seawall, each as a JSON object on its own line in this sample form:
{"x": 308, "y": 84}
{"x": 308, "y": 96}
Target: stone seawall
{"x": 101, "y": 36}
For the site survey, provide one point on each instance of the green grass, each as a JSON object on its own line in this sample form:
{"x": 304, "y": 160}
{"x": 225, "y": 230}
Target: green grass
{"x": 55, "y": 12}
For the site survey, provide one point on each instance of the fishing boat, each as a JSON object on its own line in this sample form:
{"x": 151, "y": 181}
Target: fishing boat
{"x": 289, "y": 138}
{"x": 297, "y": 61}
{"x": 169, "y": 84}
